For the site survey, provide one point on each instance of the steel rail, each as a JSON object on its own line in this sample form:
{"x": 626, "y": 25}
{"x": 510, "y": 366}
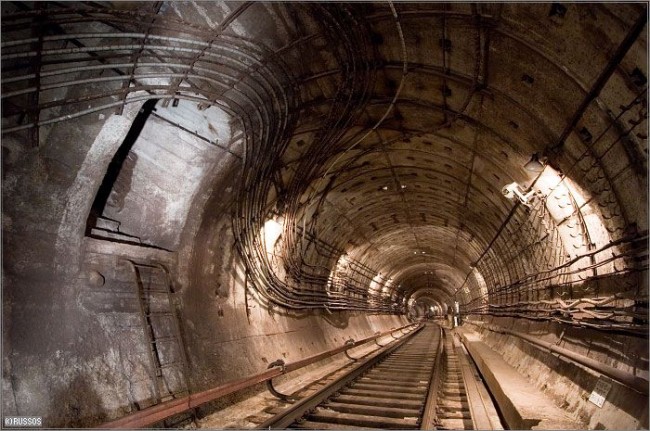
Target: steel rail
{"x": 297, "y": 410}
{"x": 430, "y": 417}
{"x": 170, "y": 408}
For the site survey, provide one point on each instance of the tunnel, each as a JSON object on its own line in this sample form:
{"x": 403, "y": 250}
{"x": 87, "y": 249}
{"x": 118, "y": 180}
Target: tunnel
{"x": 209, "y": 207}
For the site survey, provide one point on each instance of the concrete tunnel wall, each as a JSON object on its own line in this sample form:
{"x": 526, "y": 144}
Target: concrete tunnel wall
{"x": 67, "y": 331}
{"x": 74, "y": 349}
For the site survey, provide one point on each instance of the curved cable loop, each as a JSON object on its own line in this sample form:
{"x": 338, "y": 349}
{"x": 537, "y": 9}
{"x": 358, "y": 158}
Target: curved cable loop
{"x": 269, "y": 382}
{"x": 350, "y": 342}
{"x": 377, "y": 342}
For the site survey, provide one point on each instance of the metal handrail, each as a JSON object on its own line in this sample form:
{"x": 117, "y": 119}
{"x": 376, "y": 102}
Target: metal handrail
{"x": 170, "y": 408}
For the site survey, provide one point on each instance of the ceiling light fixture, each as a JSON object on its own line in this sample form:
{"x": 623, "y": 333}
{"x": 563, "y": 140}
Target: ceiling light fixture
{"x": 535, "y": 164}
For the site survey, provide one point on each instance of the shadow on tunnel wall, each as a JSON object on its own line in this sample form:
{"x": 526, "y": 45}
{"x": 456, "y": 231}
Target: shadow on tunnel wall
{"x": 338, "y": 320}
{"x": 75, "y": 406}
{"x": 116, "y": 164}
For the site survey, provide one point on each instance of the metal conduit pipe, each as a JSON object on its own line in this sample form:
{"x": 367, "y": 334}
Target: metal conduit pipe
{"x": 274, "y": 288}
{"x": 18, "y": 128}
{"x": 636, "y": 383}
{"x": 100, "y": 108}
{"x": 162, "y": 75}
{"x": 103, "y": 36}
{"x": 81, "y": 113}
{"x": 46, "y": 87}
{"x": 218, "y": 55}
{"x": 116, "y": 66}
{"x": 629, "y": 240}
{"x": 549, "y": 278}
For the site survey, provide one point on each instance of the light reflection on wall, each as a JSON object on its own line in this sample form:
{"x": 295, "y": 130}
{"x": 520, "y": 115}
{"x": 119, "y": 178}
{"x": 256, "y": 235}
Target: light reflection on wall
{"x": 271, "y": 233}
{"x": 336, "y": 279}
{"x": 480, "y": 287}
{"x": 579, "y": 221}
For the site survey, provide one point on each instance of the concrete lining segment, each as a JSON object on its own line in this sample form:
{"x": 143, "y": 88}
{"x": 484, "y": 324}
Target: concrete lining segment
{"x": 522, "y": 405}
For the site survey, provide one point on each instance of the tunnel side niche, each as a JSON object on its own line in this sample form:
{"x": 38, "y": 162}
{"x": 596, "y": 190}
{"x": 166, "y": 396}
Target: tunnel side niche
{"x": 152, "y": 181}
{"x": 75, "y": 347}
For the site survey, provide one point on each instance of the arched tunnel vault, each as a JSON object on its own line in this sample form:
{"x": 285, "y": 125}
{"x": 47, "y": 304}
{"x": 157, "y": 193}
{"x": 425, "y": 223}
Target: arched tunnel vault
{"x": 327, "y": 158}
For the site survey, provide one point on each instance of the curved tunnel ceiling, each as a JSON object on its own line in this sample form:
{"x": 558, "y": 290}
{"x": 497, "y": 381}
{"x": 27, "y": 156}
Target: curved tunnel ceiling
{"x": 381, "y": 132}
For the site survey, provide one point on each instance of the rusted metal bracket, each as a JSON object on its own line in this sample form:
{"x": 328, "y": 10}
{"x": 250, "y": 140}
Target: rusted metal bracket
{"x": 377, "y": 342}
{"x": 350, "y": 342}
{"x": 269, "y": 382}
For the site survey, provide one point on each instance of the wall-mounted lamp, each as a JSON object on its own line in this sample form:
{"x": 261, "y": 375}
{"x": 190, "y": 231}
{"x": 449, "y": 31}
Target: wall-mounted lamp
{"x": 513, "y": 190}
{"x": 272, "y": 230}
{"x": 536, "y": 164}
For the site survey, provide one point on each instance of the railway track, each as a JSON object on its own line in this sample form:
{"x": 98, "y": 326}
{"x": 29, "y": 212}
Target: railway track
{"x": 452, "y": 405}
{"x": 415, "y": 384}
